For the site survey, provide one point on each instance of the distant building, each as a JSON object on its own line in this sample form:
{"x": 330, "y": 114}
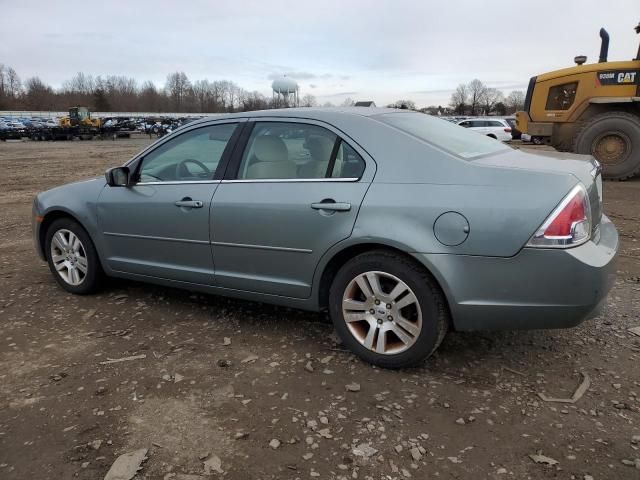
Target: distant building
{"x": 368, "y": 103}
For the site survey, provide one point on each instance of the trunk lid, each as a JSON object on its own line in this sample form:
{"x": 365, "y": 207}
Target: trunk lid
{"x": 584, "y": 168}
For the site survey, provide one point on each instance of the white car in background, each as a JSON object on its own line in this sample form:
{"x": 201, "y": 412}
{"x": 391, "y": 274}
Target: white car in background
{"x": 497, "y": 128}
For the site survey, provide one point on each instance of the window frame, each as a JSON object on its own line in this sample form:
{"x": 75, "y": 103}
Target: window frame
{"x": 135, "y": 164}
{"x": 233, "y": 168}
{"x": 547, "y": 105}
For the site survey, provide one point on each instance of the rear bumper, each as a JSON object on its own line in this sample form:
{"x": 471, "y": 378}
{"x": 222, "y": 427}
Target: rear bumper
{"x": 536, "y": 289}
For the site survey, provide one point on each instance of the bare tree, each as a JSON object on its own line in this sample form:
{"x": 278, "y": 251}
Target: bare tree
{"x": 38, "y": 96}
{"x": 491, "y": 97}
{"x": 309, "y": 100}
{"x": 460, "y": 99}
{"x": 477, "y": 91}
{"x": 178, "y": 86}
{"x": 348, "y": 102}
{"x": 515, "y": 101}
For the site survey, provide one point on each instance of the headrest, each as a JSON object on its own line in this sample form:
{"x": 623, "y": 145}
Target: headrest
{"x": 268, "y": 148}
{"x": 320, "y": 147}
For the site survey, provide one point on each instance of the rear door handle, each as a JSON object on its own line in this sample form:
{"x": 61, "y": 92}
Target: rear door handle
{"x": 188, "y": 203}
{"x": 331, "y": 205}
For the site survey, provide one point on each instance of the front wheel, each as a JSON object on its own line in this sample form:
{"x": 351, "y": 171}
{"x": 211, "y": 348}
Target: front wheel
{"x": 388, "y": 310}
{"x": 72, "y": 258}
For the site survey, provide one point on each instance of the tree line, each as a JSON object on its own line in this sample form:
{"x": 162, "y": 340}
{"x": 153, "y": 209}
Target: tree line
{"x": 116, "y": 93}
{"x": 475, "y": 98}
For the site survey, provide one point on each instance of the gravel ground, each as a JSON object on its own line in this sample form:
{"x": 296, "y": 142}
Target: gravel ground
{"x": 245, "y": 391}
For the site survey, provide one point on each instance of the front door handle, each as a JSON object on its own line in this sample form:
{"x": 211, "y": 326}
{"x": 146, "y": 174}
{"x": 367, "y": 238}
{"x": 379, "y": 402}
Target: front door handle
{"x": 187, "y": 202}
{"x": 331, "y": 205}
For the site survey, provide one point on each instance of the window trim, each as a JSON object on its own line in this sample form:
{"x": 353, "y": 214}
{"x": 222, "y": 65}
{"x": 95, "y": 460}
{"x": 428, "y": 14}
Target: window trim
{"x": 233, "y": 168}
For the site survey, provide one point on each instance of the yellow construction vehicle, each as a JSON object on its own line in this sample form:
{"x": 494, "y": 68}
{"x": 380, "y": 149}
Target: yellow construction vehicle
{"x": 591, "y": 109}
{"x": 79, "y": 117}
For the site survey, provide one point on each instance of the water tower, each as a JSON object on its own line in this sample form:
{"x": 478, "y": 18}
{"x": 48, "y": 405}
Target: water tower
{"x": 285, "y": 92}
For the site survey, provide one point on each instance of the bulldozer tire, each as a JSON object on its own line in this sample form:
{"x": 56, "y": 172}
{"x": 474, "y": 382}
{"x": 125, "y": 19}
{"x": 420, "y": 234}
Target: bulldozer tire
{"x": 613, "y": 138}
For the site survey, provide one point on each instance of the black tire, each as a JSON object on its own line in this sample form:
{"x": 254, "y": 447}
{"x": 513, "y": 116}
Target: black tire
{"x": 537, "y": 140}
{"x": 435, "y": 313}
{"x": 94, "y": 276}
{"x": 626, "y": 128}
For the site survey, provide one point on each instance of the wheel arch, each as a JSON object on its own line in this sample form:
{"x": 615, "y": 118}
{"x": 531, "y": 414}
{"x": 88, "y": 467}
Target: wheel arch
{"x": 342, "y": 256}
{"x": 50, "y": 217}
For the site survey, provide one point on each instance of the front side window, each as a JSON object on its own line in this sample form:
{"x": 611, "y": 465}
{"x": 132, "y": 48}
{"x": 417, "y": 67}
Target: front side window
{"x": 281, "y": 150}
{"x": 561, "y": 97}
{"x": 192, "y": 156}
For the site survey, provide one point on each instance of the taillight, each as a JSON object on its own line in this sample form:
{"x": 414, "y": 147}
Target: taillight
{"x": 508, "y": 130}
{"x": 568, "y": 225}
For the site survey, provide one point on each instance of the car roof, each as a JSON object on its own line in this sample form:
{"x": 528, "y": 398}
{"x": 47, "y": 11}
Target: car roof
{"x": 330, "y": 115}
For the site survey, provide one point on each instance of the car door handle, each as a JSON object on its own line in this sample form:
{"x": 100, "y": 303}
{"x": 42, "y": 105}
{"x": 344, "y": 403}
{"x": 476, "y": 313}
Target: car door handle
{"x": 331, "y": 205}
{"x": 188, "y": 203}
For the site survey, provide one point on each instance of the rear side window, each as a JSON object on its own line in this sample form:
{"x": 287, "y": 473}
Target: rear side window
{"x": 284, "y": 150}
{"x": 288, "y": 150}
{"x": 495, "y": 123}
{"x": 451, "y": 138}
{"x": 348, "y": 163}
{"x": 561, "y": 97}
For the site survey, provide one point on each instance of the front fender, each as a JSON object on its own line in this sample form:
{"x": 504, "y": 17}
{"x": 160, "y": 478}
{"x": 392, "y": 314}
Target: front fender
{"x": 76, "y": 200}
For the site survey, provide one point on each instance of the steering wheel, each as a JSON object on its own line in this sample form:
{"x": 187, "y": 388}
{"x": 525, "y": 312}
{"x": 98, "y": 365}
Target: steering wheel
{"x": 183, "y": 172}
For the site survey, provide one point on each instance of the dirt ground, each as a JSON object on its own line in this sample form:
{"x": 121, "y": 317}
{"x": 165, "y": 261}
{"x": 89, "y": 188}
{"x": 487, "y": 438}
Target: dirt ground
{"x": 273, "y": 404}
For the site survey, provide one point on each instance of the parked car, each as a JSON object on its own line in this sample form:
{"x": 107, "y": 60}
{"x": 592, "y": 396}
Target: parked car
{"x": 495, "y": 128}
{"x": 400, "y": 224}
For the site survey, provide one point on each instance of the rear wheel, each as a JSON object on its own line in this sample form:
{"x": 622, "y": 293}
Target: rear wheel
{"x": 613, "y": 138}
{"x": 388, "y": 310}
{"x": 72, "y": 258}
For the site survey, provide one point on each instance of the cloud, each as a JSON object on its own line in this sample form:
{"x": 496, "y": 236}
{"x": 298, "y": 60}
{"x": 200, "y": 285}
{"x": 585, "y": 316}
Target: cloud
{"x": 313, "y": 85}
{"x": 341, "y": 94}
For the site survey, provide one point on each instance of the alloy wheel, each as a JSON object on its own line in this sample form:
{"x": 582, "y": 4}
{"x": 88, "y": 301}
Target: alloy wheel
{"x": 69, "y": 257}
{"x": 382, "y": 312}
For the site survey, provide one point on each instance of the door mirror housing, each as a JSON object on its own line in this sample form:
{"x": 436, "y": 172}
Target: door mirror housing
{"x": 117, "y": 177}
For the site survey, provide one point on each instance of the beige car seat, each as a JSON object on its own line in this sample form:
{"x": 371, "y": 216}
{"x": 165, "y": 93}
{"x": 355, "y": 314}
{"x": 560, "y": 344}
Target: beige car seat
{"x": 272, "y": 159}
{"x": 320, "y": 148}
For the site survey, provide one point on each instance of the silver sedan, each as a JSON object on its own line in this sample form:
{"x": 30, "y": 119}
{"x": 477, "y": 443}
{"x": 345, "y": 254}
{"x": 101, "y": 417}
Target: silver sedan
{"x": 401, "y": 225}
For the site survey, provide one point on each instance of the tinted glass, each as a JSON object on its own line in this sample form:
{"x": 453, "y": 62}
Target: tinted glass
{"x": 561, "y": 97}
{"x": 192, "y": 156}
{"x": 451, "y": 138}
{"x": 348, "y": 163}
{"x": 279, "y": 150}
{"x": 495, "y": 123}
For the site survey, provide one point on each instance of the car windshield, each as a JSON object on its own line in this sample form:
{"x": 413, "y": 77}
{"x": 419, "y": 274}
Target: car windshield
{"x": 457, "y": 140}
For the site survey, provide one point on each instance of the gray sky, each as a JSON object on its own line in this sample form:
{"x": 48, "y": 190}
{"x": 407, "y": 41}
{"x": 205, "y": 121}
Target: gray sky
{"x": 364, "y": 49}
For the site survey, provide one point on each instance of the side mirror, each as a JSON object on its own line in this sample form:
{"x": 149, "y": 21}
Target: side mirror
{"x": 117, "y": 177}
